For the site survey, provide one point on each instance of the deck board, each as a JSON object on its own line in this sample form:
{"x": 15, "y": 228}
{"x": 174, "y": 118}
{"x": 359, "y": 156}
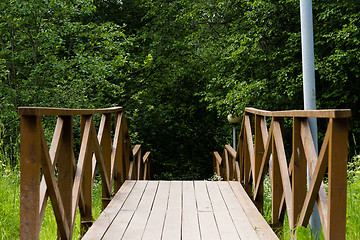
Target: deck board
{"x": 190, "y": 221}
{"x": 183, "y": 210}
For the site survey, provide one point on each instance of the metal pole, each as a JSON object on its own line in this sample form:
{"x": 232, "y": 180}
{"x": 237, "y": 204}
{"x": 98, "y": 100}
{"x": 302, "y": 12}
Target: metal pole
{"x": 234, "y": 137}
{"x": 307, "y": 44}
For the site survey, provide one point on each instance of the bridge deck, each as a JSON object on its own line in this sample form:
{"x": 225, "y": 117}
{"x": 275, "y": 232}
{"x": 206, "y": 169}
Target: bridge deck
{"x": 180, "y": 210}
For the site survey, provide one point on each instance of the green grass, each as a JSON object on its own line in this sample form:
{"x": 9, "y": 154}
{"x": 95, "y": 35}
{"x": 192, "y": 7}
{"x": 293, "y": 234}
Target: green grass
{"x": 9, "y": 203}
{"x": 48, "y": 227}
{"x": 10, "y": 208}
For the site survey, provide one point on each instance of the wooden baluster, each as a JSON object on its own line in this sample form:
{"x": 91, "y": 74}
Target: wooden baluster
{"x": 78, "y": 190}
{"x": 247, "y": 155}
{"x": 65, "y": 166}
{"x": 140, "y": 166}
{"x": 338, "y": 146}
{"x": 298, "y": 171}
{"x": 240, "y": 152}
{"x": 117, "y": 153}
{"x": 106, "y": 153}
{"x": 87, "y": 183}
{"x": 30, "y": 148}
{"x": 259, "y": 153}
{"x": 276, "y": 187}
{"x": 226, "y": 166}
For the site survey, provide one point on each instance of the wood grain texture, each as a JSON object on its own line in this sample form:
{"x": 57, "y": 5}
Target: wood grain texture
{"x": 184, "y": 210}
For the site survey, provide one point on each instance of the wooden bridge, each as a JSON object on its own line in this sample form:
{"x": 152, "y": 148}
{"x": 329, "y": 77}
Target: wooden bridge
{"x": 136, "y": 208}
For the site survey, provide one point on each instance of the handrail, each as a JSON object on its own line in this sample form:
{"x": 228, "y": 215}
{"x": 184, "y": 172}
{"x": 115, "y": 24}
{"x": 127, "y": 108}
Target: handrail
{"x": 70, "y": 186}
{"x": 288, "y": 178}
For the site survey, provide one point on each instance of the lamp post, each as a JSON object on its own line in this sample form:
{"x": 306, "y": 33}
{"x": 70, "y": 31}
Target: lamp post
{"x": 234, "y": 119}
{"x": 307, "y": 43}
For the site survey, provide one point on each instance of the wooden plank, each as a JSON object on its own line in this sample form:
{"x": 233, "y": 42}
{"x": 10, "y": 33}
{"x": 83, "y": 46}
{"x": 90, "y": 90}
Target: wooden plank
{"x": 133, "y": 200}
{"x": 154, "y": 226}
{"x": 261, "y": 227}
{"x": 224, "y": 222}
{"x": 190, "y": 225}
{"x": 208, "y": 228}
{"x": 138, "y": 222}
{"x": 39, "y": 111}
{"x": 237, "y": 213}
{"x": 107, "y": 216}
{"x": 202, "y": 197}
{"x": 118, "y": 227}
{"x": 172, "y": 225}
{"x": 325, "y": 113}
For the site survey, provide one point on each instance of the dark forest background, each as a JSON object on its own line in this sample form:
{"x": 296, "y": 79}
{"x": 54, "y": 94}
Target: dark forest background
{"x": 178, "y": 67}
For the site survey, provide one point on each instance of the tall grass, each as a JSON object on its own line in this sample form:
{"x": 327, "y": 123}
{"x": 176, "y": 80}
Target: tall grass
{"x": 353, "y": 200}
{"x": 9, "y": 203}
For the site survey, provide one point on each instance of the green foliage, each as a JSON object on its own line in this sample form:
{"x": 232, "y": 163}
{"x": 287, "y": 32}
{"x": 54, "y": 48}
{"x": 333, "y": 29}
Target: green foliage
{"x": 179, "y": 67}
{"x": 52, "y": 55}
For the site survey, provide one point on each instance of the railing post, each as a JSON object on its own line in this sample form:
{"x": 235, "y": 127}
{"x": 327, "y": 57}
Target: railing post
{"x": 277, "y": 188}
{"x": 336, "y": 227}
{"x": 259, "y": 153}
{"x": 247, "y": 160}
{"x": 86, "y": 188}
{"x": 298, "y": 171}
{"x": 30, "y": 153}
{"x": 66, "y": 162}
{"x": 106, "y": 152}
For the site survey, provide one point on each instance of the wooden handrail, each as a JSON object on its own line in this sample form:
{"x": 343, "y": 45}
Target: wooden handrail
{"x": 288, "y": 177}
{"x": 70, "y": 186}
{"x": 324, "y": 113}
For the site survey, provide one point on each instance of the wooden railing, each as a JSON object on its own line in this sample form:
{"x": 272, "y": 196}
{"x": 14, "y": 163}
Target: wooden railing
{"x": 260, "y": 150}
{"x": 56, "y": 174}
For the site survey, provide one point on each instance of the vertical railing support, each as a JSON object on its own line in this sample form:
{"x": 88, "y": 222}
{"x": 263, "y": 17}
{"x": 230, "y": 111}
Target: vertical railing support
{"x": 30, "y": 153}
{"x": 259, "y": 153}
{"x": 106, "y": 152}
{"x": 298, "y": 171}
{"x": 87, "y": 184}
{"x": 277, "y": 188}
{"x": 336, "y": 227}
{"x": 65, "y": 166}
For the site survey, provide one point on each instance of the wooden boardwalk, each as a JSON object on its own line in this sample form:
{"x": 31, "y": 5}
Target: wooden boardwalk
{"x": 180, "y": 210}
